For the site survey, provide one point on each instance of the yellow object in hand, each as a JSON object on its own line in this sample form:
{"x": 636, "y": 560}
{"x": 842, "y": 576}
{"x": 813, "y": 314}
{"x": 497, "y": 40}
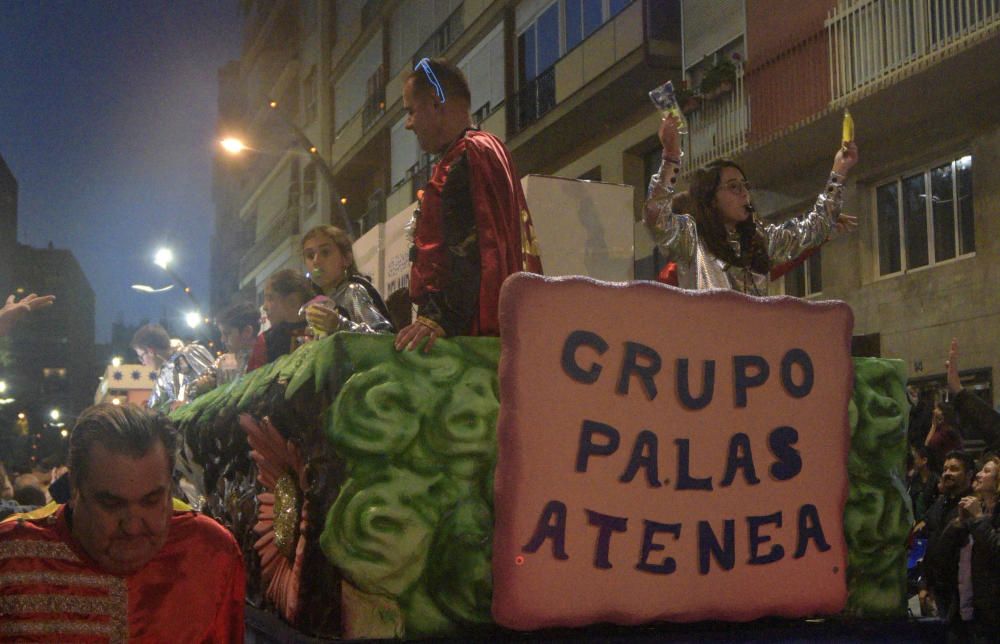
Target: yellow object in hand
{"x": 848, "y": 133}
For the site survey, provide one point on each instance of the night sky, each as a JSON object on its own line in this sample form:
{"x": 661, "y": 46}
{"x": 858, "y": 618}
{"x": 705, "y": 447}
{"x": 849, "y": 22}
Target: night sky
{"x": 107, "y": 119}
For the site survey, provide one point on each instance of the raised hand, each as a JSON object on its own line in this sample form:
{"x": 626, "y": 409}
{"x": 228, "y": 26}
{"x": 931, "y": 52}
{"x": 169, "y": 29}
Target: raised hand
{"x": 846, "y": 158}
{"x": 951, "y": 369}
{"x": 670, "y": 137}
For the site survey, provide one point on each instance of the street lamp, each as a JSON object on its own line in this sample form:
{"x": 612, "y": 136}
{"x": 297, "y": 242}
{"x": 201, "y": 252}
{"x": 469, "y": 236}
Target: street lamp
{"x": 163, "y": 257}
{"x": 234, "y": 146}
{"x": 143, "y": 288}
{"x": 193, "y": 319}
{"x": 54, "y": 414}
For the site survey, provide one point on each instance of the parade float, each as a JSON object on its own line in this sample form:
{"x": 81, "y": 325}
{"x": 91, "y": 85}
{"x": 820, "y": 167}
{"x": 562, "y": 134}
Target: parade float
{"x": 625, "y": 453}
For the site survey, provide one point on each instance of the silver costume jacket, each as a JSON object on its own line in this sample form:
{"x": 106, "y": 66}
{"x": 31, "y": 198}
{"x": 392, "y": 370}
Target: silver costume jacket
{"x": 362, "y": 314}
{"x": 185, "y": 364}
{"x": 699, "y": 269}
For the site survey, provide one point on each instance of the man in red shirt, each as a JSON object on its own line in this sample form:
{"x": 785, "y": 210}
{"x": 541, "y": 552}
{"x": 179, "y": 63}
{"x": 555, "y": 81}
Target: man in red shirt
{"x": 473, "y": 228}
{"x": 119, "y": 562}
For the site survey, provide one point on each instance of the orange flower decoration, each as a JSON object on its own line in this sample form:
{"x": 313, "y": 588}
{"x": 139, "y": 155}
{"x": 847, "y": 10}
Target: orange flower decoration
{"x": 282, "y": 516}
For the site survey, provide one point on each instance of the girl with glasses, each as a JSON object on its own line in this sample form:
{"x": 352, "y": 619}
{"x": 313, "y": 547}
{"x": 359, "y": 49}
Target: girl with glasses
{"x": 720, "y": 243}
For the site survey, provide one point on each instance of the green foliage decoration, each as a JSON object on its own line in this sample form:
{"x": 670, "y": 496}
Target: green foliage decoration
{"x": 877, "y": 517}
{"x": 414, "y": 520}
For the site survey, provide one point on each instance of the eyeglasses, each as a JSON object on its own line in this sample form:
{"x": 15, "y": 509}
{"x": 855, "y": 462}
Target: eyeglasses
{"x": 736, "y": 187}
{"x": 425, "y": 66}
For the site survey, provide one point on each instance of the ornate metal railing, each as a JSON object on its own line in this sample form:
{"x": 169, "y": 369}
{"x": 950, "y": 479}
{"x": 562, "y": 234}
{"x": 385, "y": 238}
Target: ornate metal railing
{"x": 875, "y": 42}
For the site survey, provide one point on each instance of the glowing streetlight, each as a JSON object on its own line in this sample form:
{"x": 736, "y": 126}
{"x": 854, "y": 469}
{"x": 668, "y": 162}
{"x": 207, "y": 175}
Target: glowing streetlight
{"x": 232, "y": 145}
{"x": 64, "y": 433}
{"x": 193, "y": 319}
{"x": 163, "y": 257}
{"x": 3, "y": 386}
{"x": 144, "y": 288}
{"x": 54, "y": 414}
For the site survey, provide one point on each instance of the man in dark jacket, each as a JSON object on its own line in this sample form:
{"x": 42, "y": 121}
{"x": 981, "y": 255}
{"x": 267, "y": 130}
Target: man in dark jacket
{"x": 946, "y": 536}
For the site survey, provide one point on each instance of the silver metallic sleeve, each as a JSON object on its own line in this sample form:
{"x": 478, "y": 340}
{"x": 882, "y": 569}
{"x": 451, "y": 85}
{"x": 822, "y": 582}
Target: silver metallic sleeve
{"x": 363, "y": 316}
{"x": 675, "y": 234}
{"x": 788, "y": 240}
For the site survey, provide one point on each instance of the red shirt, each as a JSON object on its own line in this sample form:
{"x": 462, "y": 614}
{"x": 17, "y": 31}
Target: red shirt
{"x": 52, "y": 591}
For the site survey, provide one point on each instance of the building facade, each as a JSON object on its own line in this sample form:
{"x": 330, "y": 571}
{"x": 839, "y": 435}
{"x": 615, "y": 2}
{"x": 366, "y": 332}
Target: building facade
{"x": 576, "y": 108}
{"x": 915, "y": 77}
{"x": 50, "y": 362}
{"x": 564, "y": 83}
{"x": 8, "y": 226}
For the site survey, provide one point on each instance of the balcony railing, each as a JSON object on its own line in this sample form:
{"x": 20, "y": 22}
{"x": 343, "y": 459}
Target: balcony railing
{"x": 374, "y": 99}
{"x": 421, "y": 174}
{"x": 286, "y": 225}
{"x": 719, "y": 127}
{"x": 864, "y": 46}
{"x": 877, "y": 41}
{"x": 534, "y": 100}
{"x": 375, "y": 213}
{"x": 442, "y": 37}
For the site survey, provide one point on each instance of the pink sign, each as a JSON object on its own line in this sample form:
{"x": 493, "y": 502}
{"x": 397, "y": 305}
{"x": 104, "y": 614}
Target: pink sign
{"x": 668, "y": 455}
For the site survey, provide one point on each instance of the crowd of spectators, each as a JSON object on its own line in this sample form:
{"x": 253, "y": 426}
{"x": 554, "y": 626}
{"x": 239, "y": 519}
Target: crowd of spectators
{"x": 954, "y": 501}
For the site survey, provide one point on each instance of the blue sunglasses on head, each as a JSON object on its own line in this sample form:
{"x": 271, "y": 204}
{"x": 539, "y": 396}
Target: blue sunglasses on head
{"x": 425, "y": 66}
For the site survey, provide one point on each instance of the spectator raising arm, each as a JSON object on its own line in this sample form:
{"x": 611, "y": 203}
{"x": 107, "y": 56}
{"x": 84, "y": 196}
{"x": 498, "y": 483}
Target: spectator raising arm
{"x": 978, "y": 418}
{"x": 13, "y": 310}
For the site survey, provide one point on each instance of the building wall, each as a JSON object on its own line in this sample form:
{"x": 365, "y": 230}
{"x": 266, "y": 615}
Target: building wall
{"x": 793, "y": 133}
{"x": 917, "y": 313}
{"x": 708, "y": 26}
{"x": 59, "y": 341}
{"x": 773, "y": 25}
{"x": 8, "y": 225}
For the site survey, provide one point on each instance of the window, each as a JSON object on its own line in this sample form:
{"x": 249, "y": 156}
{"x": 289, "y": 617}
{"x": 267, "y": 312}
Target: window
{"x": 926, "y": 217}
{"x": 309, "y": 186}
{"x": 294, "y": 187}
{"x": 545, "y": 33}
{"x": 583, "y": 17}
{"x": 374, "y": 98}
{"x": 309, "y": 95}
{"x": 806, "y": 278}
{"x": 350, "y": 90}
{"x": 404, "y": 153}
{"x": 483, "y": 67}
{"x": 538, "y": 45}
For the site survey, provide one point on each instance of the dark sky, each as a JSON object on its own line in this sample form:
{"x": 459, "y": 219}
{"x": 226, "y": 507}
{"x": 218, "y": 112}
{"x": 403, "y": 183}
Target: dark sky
{"x": 107, "y": 118}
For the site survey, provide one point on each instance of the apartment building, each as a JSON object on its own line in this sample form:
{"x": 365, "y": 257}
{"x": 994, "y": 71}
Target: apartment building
{"x": 564, "y": 83}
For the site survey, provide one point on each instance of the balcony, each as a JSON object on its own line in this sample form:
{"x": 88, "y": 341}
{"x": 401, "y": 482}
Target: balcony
{"x": 535, "y": 99}
{"x": 718, "y": 128}
{"x": 924, "y": 51}
{"x": 604, "y": 78}
{"x": 286, "y": 226}
{"x": 374, "y": 99}
{"x": 441, "y": 39}
{"x": 877, "y": 42}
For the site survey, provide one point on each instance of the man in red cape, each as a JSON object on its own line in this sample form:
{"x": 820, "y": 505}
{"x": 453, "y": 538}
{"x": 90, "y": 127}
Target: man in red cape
{"x": 121, "y": 562}
{"x": 473, "y": 228}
